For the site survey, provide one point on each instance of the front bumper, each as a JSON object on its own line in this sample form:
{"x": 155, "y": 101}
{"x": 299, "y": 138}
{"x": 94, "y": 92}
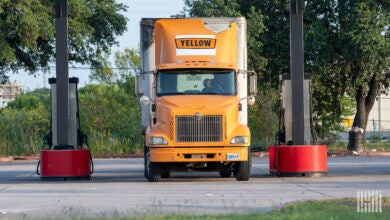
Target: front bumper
{"x": 198, "y": 154}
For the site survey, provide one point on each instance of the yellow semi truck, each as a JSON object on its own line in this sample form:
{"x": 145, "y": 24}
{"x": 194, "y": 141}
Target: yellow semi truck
{"x": 194, "y": 95}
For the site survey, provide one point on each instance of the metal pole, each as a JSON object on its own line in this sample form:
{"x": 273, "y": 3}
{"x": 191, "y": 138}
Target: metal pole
{"x": 379, "y": 113}
{"x": 297, "y": 76}
{"x": 62, "y": 72}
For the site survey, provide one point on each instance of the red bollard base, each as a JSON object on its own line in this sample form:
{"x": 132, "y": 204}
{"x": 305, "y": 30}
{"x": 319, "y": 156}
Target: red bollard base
{"x": 298, "y": 160}
{"x": 65, "y": 164}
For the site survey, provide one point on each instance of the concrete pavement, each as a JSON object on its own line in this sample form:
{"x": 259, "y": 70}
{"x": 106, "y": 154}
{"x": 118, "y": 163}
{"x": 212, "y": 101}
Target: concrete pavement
{"x": 118, "y": 188}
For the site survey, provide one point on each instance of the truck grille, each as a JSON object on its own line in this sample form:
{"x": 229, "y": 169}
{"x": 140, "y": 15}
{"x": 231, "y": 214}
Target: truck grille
{"x": 205, "y": 129}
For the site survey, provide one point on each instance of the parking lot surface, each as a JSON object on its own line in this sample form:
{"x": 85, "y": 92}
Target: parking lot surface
{"x": 118, "y": 188}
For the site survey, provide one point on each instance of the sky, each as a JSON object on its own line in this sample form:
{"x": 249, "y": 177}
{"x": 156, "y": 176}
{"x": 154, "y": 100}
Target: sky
{"x": 137, "y": 9}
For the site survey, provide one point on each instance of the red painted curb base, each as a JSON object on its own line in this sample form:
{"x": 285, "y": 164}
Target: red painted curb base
{"x": 64, "y": 164}
{"x": 298, "y": 160}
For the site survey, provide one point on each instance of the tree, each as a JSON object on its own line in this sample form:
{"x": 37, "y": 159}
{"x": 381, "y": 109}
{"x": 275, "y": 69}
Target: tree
{"x": 102, "y": 71}
{"x": 261, "y": 57}
{"x": 275, "y": 48}
{"x": 234, "y": 8}
{"x": 27, "y": 32}
{"x": 109, "y": 112}
{"x": 368, "y": 53}
{"x": 348, "y": 51}
{"x": 212, "y": 8}
{"x": 3, "y": 79}
{"x": 109, "y": 116}
{"x": 127, "y": 65}
{"x": 24, "y": 122}
{"x": 324, "y": 62}
{"x": 128, "y": 62}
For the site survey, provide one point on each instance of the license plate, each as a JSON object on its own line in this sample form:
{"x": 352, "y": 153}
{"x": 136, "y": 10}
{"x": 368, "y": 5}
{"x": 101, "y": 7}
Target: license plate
{"x": 232, "y": 156}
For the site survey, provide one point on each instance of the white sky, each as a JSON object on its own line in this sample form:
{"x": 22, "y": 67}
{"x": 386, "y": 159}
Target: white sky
{"x": 137, "y": 9}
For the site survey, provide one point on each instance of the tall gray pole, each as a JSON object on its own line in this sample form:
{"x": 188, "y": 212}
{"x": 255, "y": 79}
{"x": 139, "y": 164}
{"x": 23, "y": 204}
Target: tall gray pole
{"x": 379, "y": 113}
{"x": 62, "y": 72}
{"x": 297, "y": 71}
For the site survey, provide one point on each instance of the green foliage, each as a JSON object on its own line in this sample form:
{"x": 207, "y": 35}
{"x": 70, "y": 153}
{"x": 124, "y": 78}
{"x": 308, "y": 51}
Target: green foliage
{"x": 234, "y": 8}
{"x": 212, "y": 8}
{"x": 347, "y": 52}
{"x": 275, "y": 40}
{"x": 374, "y": 143}
{"x": 25, "y": 102}
{"x": 102, "y": 72}
{"x": 109, "y": 116}
{"x": 43, "y": 94}
{"x": 3, "y": 78}
{"x": 325, "y": 122}
{"x": 263, "y": 118}
{"x": 22, "y": 126}
{"x": 93, "y": 26}
{"x": 111, "y": 113}
{"x": 255, "y": 29}
{"x": 324, "y": 209}
{"x": 128, "y": 62}
{"x": 24, "y": 123}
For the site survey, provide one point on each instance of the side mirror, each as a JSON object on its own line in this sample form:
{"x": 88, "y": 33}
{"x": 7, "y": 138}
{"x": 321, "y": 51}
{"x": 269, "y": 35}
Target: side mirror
{"x": 252, "y": 83}
{"x": 138, "y": 85}
{"x": 252, "y": 87}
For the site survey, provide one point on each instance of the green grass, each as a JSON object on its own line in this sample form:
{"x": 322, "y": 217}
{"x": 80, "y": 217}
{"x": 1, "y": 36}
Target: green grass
{"x": 368, "y": 146}
{"x": 379, "y": 146}
{"x": 324, "y": 209}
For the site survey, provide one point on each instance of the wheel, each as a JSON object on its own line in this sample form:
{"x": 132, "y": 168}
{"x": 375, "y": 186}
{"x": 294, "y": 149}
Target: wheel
{"x": 152, "y": 170}
{"x": 165, "y": 172}
{"x": 242, "y": 170}
{"x": 225, "y": 172}
{"x": 145, "y": 162}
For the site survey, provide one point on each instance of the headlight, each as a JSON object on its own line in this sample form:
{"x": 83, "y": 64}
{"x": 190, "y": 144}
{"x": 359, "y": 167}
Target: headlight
{"x": 157, "y": 141}
{"x": 239, "y": 140}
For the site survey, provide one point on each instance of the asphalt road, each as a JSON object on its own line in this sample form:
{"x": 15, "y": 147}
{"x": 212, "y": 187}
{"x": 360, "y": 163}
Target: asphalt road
{"x": 118, "y": 188}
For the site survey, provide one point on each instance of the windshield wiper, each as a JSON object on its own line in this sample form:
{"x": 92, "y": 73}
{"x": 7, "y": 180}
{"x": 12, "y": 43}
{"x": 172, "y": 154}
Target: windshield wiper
{"x": 172, "y": 93}
{"x": 211, "y": 93}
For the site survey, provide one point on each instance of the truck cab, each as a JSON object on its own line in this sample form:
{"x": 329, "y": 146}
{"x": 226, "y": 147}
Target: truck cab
{"x": 194, "y": 96}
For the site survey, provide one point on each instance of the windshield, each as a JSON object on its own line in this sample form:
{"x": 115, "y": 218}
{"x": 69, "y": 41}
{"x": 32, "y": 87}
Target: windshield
{"x": 196, "y": 81}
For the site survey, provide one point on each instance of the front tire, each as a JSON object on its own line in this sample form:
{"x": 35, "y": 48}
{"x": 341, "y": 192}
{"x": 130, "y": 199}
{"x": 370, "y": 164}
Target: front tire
{"x": 146, "y": 171}
{"x": 152, "y": 170}
{"x": 242, "y": 170}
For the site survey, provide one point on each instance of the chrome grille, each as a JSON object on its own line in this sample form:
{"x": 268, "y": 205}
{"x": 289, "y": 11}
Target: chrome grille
{"x": 205, "y": 129}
